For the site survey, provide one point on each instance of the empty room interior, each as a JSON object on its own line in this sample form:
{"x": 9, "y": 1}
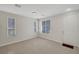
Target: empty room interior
{"x": 39, "y": 28}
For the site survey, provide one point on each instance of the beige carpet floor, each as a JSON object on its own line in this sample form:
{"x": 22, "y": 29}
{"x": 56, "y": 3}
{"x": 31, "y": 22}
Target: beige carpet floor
{"x": 38, "y": 46}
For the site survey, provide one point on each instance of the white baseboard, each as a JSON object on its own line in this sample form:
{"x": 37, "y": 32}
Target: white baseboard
{"x": 16, "y": 41}
{"x": 55, "y": 40}
{"x": 50, "y": 39}
{"x": 32, "y": 37}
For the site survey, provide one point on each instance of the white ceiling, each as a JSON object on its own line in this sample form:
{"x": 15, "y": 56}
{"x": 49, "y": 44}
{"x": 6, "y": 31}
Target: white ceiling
{"x": 42, "y": 10}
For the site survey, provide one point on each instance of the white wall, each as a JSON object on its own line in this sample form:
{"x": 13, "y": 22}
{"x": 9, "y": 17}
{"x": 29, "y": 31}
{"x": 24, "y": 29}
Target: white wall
{"x": 56, "y": 29}
{"x": 24, "y": 28}
{"x": 64, "y": 28}
{"x": 78, "y": 30}
{"x": 71, "y": 28}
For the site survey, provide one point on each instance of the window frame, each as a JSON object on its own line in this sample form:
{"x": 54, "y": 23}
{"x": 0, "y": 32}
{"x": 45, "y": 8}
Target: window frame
{"x": 8, "y": 28}
{"x": 45, "y": 26}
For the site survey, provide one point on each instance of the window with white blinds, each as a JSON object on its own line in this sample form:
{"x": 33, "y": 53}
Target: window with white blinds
{"x": 11, "y": 26}
{"x": 46, "y": 26}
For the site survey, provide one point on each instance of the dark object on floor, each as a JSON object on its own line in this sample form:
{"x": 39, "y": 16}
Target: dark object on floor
{"x": 67, "y": 45}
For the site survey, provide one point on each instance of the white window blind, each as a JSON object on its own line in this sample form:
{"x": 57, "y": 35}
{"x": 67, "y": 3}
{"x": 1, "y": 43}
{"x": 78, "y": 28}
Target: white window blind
{"x": 46, "y": 26}
{"x": 11, "y": 26}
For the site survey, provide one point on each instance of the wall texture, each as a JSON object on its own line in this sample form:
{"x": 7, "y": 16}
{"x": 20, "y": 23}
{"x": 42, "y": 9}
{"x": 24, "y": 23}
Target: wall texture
{"x": 56, "y": 29}
{"x": 24, "y": 28}
{"x": 71, "y": 28}
{"x": 64, "y": 28}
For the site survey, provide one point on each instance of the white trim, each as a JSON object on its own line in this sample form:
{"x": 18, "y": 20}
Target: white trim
{"x": 16, "y": 41}
{"x": 55, "y": 41}
{"x": 50, "y": 39}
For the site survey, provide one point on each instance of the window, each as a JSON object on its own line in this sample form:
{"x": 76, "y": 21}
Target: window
{"x": 34, "y": 26}
{"x": 43, "y": 26}
{"x": 46, "y": 26}
{"x": 11, "y": 26}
